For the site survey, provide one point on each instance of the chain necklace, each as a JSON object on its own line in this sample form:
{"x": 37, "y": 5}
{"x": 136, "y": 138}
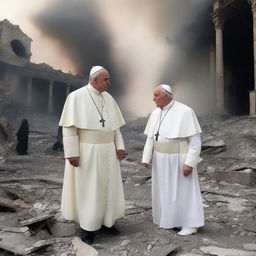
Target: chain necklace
{"x": 160, "y": 121}
{"x": 102, "y": 120}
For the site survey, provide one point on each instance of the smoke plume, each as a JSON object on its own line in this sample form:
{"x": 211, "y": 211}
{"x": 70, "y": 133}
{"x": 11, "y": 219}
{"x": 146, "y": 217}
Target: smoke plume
{"x": 141, "y": 42}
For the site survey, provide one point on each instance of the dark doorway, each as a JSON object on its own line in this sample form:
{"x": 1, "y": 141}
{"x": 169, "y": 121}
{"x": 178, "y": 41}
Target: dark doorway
{"x": 238, "y": 60}
{"x": 40, "y": 92}
{"x": 59, "y": 96}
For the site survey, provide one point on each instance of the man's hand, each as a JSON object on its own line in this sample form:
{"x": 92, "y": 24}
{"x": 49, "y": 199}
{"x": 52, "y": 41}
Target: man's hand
{"x": 146, "y": 165}
{"x": 74, "y": 161}
{"x": 187, "y": 170}
{"x": 120, "y": 154}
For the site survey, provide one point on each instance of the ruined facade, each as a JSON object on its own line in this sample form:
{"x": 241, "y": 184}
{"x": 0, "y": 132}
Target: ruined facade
{"x": 234, "y": 58}
{"x": 38, "y": 86}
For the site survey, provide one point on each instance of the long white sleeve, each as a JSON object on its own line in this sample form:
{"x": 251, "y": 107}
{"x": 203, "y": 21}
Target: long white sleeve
{"x": 70, "y": 142}
{"x": 148, "y": 150}
{"x": 194, "y": 149}
{"x": 119, "y": 142}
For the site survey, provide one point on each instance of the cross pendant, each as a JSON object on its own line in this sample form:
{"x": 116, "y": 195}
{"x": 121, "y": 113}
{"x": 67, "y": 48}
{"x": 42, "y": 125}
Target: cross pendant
{"x": 157, "y": 135}
{"x": 103, "y": 122}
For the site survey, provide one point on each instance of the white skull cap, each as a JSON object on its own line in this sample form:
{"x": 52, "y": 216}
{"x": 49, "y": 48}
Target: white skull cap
{"x": 95, "y": 69}
{"x": 167, "y": 88}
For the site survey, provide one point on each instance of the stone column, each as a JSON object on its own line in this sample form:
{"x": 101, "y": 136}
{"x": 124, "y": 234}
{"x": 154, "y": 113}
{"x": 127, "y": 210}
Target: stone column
{"x": 50, "y": 96}
{"x": 29, "y": 92}
{"x": 212, "y": 72}
{"x": 219, "y": 64}
{"x": 253, "y": 92}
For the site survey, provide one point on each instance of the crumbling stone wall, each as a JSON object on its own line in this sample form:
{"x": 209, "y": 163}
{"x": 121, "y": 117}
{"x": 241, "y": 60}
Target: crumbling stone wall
{"x": 7, "y": 136}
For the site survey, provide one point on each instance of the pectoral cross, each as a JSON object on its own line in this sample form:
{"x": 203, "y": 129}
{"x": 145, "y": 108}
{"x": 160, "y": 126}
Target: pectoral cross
{"x": 103, "y": 122}
{"x": 157, "y": 135}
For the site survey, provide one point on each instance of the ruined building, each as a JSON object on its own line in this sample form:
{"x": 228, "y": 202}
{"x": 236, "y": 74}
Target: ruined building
{"x": 234, "y": 55}
{"x": 38, "y": 86}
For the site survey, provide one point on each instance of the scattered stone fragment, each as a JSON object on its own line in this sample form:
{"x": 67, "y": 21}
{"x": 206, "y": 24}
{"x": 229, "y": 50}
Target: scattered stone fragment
{"x": 14, "y": 229}
{"x": 36, "y": 219}
{"x": 214, "y": 146}
{"x": 214, "y": 250}
{"x": 245, "y": 177}
{"x": 140, "y": 179}
{"x": 60, "y": 229}
{"x": 166, "y": 250}
{"x": 20, "y": 244}
{"x": 7, "y": 205}
{"x": 83, "y": 249}
{"x": 250, "y": 247}
{"x": 146, "y": 204}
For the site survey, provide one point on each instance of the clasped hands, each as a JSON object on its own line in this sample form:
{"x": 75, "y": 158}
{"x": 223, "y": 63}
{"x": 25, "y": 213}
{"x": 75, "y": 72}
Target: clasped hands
{"x": 187, "y": 170}
{"x": 74, "y": 161}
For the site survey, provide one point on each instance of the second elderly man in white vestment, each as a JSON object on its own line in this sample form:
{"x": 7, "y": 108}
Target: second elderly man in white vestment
{"x": 93, "y": 145}
{"x": 173, "y": 138}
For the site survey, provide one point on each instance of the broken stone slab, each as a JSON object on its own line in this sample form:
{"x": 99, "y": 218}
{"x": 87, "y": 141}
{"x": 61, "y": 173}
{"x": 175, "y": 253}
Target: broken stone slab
{"x": 36, "y": 246}
{"x": 49, "y": 179}
{"x": 145, "y": 204}
{"x": 249, "y": 226}
{"x": 246, "y": 177}
{"x": 214, "y": 250}
{"x": 234, "y": 204}
{"x": 213, "y": 146}
{"x": 212, "y": 228}
{"x": 82, "y": 249}
{"x": 36, "y": 219}
{"x": 19, "y": 244}
{"x": 250, "y": 247}
{"x": 165, "y": 250}
{"x": 7, "y": 205}
{"x": 140, "y": 179}
{"x": 59, "y": 218}
{"x": 58, "y": 229}
{"x": 134, "y": 211}
{"x": 190, "y": 254}
{"x": 129, "y": 205}
{"x": 238, "y": 166}
{"x": 14, "y": 229}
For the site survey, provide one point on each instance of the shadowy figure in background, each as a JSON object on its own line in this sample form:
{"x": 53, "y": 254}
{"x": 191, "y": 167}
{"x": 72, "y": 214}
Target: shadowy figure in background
{"x": 22, "y": 137}
{"x": 59, "y": 143}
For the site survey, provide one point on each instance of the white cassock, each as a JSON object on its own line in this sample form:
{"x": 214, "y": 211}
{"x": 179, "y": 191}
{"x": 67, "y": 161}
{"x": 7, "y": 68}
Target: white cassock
{"x": 92, "y": 192}
{"x": 176, "y": 199}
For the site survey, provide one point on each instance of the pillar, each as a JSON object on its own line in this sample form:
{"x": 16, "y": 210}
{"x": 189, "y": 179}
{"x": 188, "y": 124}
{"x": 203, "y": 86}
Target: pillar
{"x": 29, "y": 91}
{"x": 212, "y": 73}
{"x": 219, "y": 86}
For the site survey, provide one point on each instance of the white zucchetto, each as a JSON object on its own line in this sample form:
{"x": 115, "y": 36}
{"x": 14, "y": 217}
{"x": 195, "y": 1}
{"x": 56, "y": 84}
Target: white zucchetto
{"x": 95, "y": 69}
{"x": 167, "y": 88}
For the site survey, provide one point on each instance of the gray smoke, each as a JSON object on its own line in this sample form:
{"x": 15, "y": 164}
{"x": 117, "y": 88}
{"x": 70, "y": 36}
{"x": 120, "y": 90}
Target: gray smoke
{"x": 80, "y": 32}
{"x": 87, "y": 34}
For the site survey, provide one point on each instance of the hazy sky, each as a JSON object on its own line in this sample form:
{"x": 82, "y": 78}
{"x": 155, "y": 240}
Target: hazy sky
{"x": 141, "y": 35}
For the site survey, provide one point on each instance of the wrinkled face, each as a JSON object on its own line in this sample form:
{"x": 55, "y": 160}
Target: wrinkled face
{"x": 160, "y": 98}
{"x": 101, "y": 81}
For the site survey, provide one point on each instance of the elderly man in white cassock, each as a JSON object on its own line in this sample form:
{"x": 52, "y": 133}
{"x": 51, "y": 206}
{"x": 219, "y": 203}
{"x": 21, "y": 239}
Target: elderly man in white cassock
{"x": 93, "y": 146}
{"x": 173, "y": 141}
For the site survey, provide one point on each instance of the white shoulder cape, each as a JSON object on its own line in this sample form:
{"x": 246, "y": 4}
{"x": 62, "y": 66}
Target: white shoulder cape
{"x": 80, "y": 111}
{"x": 179, "y": 122}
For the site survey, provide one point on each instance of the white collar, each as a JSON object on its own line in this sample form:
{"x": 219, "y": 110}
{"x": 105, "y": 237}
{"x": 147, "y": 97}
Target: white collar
{"x": 169, "y": 105}
{"x": 92, "y": 89}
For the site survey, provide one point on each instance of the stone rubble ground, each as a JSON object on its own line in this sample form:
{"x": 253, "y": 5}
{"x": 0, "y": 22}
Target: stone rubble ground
{"x": 32, "y": 185}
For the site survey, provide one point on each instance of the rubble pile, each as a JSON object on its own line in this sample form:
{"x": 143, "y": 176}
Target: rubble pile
{"x": 31, "y": 185}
